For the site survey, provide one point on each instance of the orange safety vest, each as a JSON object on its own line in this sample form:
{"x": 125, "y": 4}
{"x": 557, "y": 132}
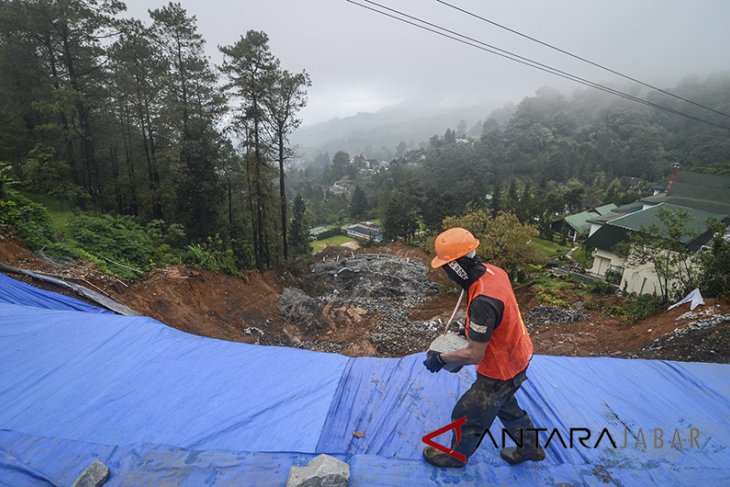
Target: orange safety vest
{"x": 510, "y": 348}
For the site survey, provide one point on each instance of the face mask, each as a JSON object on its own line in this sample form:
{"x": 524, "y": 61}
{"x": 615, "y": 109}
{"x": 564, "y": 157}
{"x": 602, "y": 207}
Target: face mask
{"x": 464, "y": 271}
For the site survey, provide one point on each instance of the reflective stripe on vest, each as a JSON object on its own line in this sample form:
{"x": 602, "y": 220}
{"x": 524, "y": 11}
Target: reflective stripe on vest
{"x": 509, "y": 349}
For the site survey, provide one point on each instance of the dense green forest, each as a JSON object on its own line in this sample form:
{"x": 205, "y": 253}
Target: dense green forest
{"x": 130, "y": 122}
{"x": 130, "y": 117}
{"x": 550, "y": 155}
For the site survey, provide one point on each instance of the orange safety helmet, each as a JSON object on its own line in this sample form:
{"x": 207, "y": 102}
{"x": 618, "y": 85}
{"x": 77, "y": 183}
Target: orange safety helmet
{"x": 452, "y": 244}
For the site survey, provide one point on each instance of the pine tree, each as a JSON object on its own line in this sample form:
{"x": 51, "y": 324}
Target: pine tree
{"x": 251, "y": 69}
{"x": 287, "y": 97}
{"x": 358, "y": 204}
{"x": 298, "y": 235}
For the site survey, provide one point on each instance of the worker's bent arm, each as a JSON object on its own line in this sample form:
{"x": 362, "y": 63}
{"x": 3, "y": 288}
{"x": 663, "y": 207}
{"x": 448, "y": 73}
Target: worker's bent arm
{"x": 471, "y": 354}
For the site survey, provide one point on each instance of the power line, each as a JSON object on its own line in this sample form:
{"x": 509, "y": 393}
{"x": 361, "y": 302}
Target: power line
{"x": 575, "y": 56}
{"x": 522, "y": 60}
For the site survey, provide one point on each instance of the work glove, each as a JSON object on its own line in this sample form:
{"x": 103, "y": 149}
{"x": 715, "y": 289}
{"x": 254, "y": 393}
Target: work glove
{"x": 433, "y": 361}
{"x": 455, "y": 370}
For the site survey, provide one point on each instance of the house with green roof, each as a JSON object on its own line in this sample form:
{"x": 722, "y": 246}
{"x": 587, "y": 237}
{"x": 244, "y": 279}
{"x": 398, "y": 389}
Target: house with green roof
{"x": 578, "y": 225}
{"x": 642, "y": 279}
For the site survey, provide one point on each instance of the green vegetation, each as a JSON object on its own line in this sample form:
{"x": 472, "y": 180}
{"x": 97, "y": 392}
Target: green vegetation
{"x": 213, "y": 255}
{"x": 337, "y": 240}
{"x": 110, "y": 114}
{"x": 636, "y": 307}
{"x": 549, "y": 249}
{"x": 715, "y": 262}
{"x": 504, "y": 241}
{"x": 29, "y": 220}
{"x": 555, "y": 291}
{"x": 583, "y": 257}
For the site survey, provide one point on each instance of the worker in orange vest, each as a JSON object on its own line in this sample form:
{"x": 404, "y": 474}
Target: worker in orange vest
{"x": 498, "y": 343}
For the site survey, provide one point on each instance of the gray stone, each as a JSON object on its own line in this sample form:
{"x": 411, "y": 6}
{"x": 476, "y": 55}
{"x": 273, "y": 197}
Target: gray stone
{"x": 95, "y": 475}
{"x": 552, "y": 315}
{"x": 322, "y": 471}
{"x": 296, "y": 306}
{"x": 450, "y": 342}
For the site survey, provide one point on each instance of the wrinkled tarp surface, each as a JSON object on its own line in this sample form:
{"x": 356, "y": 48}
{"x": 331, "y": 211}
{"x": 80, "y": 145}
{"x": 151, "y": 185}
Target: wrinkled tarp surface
{"x": 162, "y": 406}
{"x": 13, "y": 291}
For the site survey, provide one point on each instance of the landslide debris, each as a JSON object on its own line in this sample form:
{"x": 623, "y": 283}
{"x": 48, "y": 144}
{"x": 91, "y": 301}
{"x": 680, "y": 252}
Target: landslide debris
{"x": 364, "y": 298}
{"x": 552, "y": 315}
{"x": 376, "y": 276}
{"x": 705, "y": 340}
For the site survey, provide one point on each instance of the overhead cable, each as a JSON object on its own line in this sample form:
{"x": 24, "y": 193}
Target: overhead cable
{"x": 580, "y": 58}
{"x": 444, "y": 32}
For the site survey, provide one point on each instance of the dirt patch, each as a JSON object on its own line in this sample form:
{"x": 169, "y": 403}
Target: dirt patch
{"x": 211, "y": 304}
{"x": 353, "y": 245}
{"x": 599, "y": 335}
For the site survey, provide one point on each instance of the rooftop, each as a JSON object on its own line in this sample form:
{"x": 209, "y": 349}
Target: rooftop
{"x": 615, "y": 230}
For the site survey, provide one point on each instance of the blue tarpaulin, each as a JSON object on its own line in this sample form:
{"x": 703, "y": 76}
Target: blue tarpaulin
{"x": 162, "y": 406}
{"x": 17, "y": 292}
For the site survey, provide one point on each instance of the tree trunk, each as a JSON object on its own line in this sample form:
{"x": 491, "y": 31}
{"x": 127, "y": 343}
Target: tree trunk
{"x": 127, "y": 139}
{"x": 88, "y": 156}
{"x": 68, "y": 145}
{"x": 282, "y": 192}
{"x": 230, "y": 206}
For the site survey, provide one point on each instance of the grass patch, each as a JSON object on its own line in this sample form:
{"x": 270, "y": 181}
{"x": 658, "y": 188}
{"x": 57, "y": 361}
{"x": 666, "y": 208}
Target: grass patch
{"x": 556, "y": 291}
{"x": 337, "y": 240}
{"x": 549, "y": 249}
{"x": 583, "y": 258}
{"x": 59, "y": 211}
{"x": 61, "y": 219}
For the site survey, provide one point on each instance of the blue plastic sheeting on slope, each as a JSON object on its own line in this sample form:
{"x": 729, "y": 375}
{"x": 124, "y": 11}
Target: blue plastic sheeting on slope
{"x": 371, "y": 470}
{"x": 396, "y": 403}
{"x": 150, "y": 392}
{"x": 40, "y": 461}
{"x": 119, "y": 380}
{"x": 13, "y": 291}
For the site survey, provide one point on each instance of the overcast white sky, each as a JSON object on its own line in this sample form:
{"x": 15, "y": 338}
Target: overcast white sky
{"x": 361, "y": 61}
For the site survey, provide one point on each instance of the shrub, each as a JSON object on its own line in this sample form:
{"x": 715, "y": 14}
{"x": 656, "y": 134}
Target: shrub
{"x": 44, "y": 173}
{"x": 602, "y": 288}
{"x": 636, "y": 307}
{"x": 213, "y": 255}
{"x": 28, "y": 220}
{"x": 504, "y": 241}
{"x": 643, "y": 306}
{"x": 551, "y": 296}
{"x": 119, "y": 241}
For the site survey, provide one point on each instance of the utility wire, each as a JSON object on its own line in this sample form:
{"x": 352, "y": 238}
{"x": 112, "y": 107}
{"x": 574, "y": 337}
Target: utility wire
{"x": 575, "y": 56}
{"x": 522, "y": 60}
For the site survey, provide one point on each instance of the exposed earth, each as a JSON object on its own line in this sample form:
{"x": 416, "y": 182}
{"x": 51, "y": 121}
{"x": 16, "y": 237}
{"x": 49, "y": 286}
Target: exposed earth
{"x": 378, "y": 302}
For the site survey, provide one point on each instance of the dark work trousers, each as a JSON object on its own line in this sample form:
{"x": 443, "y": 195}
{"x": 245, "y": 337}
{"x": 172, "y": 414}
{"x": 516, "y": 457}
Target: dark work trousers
{"x": 485, "y": 400}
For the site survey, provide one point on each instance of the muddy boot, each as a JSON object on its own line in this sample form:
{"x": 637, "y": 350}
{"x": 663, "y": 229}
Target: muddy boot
{"x": 514, "y": 455}
{"x": 440, "y": 459}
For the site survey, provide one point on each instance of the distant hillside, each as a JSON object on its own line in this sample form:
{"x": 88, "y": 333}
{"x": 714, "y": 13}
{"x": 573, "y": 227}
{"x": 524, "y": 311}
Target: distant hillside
{"x": 377, "y": 134}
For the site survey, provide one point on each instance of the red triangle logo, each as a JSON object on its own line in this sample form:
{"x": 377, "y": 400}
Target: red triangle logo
{"x": 456, "y": 425}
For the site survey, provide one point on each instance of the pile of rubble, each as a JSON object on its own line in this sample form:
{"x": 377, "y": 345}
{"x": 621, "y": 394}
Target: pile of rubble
{"x": 401, "y": 338}
{"x": 381, "y": 287}
{"x": 707, "y": 339}
{"x": 297, "y": 307}
{"x": 376, "y": 276}
{"x": 552, "y": 315}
